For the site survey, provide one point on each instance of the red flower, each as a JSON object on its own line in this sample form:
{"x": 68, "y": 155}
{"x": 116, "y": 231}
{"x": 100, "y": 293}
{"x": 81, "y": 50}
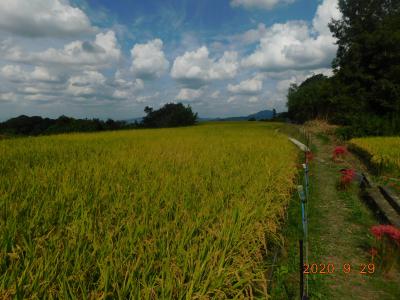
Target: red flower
{"x": 379, "y": 230}
{"x": 339, "y": 151}
{"x": 394, "y": 233}
{"x": 348, "y": 172}
{"x": 347, "y": 176}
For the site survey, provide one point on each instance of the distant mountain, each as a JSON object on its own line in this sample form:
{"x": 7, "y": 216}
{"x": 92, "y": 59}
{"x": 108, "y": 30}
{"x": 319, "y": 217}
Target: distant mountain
{"x": 261, "y": 115}
{"x": 133, "y": 120}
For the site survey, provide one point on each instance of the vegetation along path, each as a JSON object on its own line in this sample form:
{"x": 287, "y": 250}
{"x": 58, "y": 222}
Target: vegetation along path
{"x": 339, "y": 223}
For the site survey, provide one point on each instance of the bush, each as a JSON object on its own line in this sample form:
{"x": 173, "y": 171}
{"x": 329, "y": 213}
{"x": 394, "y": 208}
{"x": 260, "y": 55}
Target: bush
{"x": 170, "y": 115}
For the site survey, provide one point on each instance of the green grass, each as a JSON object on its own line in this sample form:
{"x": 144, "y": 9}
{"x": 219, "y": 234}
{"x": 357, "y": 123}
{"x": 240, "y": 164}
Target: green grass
{"x": 324, "y": 139}
{"x": 339, "y": 233}
{"x": 181, "y": 213}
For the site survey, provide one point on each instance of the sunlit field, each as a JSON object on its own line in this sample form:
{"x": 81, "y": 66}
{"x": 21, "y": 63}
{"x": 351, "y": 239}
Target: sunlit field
{"x": 185, "y": 213}
{"x": 384, "y": 152}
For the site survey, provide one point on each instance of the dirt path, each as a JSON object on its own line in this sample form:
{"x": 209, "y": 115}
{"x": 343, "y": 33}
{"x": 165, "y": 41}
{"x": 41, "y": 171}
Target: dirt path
{"x": 339, "y": 225}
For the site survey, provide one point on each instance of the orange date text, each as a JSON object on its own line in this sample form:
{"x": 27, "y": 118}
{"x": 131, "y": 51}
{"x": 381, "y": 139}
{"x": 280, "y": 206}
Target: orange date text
{"x": 330, "y": 268}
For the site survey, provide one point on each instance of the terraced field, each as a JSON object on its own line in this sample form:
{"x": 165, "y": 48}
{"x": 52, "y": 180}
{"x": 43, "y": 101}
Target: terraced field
{"x": 184, "y": 213}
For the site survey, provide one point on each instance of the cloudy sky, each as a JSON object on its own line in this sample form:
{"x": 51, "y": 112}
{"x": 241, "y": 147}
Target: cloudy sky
{"x": 108, "y": 58}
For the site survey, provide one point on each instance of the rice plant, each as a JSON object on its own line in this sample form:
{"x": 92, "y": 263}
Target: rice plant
{"x": 383, "y": 152}
{"x": 184, "y": 213}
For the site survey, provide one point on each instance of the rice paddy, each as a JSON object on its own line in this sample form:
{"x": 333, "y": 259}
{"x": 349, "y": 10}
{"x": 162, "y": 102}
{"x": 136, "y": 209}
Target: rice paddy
{"x": 383, "y": 152}
{"x": 184, "y": 213}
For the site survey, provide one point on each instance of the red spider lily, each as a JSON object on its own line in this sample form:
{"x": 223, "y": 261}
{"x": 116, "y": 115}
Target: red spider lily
{"x": 348, "y": 172}
{"x": 380, "y": 230}
{"x": 339, "y": 151}
{"x": 347, "y": 176}
{"x": 388, "y": 252}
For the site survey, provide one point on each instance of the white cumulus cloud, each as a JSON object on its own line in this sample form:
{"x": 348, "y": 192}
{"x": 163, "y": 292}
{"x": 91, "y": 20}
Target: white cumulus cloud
{"x": 196, "y": 68}
{"x": 252, "y": 35}
{"x": 85, "y": 84}
{"x": 43, "y": 74}
{"x": 121, "y": 81}
{"x": 42, "y": 18}
{"x": 15, "y": 73}
{"x": 102, "y": 52}
{"x": 327, "y": 11}
{"x": 121, "y": 94}
{"x": 7, "y": 97}
{"x": 295, "y": 44}
{"x": 189, "y": 94}
{"x": 251, "y": 86}
{"x": 216, "y": 94}
{"x": 253, "y": 99}
{"x": 148, "y": 60}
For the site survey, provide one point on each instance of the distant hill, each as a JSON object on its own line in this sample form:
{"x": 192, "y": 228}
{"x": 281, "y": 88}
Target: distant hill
{"x": 133, "y": 120}
{"x": 261, "y": 115}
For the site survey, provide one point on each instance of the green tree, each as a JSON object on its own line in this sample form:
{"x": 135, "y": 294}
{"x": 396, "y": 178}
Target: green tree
{"x": 24, "y": 125}
{"x": 312, "y": 99}
{"x": 170, "y": 115}
{"x": 367, "y": 64}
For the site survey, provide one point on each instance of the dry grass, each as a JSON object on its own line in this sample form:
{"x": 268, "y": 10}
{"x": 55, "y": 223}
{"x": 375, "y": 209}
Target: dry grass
{"x": 320, "y": 126}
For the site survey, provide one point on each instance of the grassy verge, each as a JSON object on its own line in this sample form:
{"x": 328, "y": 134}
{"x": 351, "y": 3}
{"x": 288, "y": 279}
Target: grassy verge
{"x": 339, "y": 225}
{"x": 286, "y": 278}
{"x": 286, "y": 274}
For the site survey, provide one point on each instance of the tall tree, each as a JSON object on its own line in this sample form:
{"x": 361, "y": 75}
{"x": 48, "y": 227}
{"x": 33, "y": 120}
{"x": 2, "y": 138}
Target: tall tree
{"x": 367, "y": 64}
{"x": 312, "y": 99}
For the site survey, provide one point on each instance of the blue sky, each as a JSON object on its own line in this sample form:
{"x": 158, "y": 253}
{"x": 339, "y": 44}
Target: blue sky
{"x": 104, "y": 58}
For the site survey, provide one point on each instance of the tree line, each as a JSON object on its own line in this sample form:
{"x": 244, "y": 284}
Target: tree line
{"x": 170, "y": 115}
{"x": 364, "y": 92}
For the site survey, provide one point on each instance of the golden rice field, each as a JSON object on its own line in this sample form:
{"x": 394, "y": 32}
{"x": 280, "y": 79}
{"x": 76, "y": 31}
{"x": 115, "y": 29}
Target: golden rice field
{"x": 383, "y": 152}
{"x": 185, "y": 213}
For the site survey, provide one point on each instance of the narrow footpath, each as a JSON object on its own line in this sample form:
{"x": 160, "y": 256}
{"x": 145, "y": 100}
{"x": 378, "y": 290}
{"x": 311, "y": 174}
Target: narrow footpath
{"x": 339, "y": 224}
